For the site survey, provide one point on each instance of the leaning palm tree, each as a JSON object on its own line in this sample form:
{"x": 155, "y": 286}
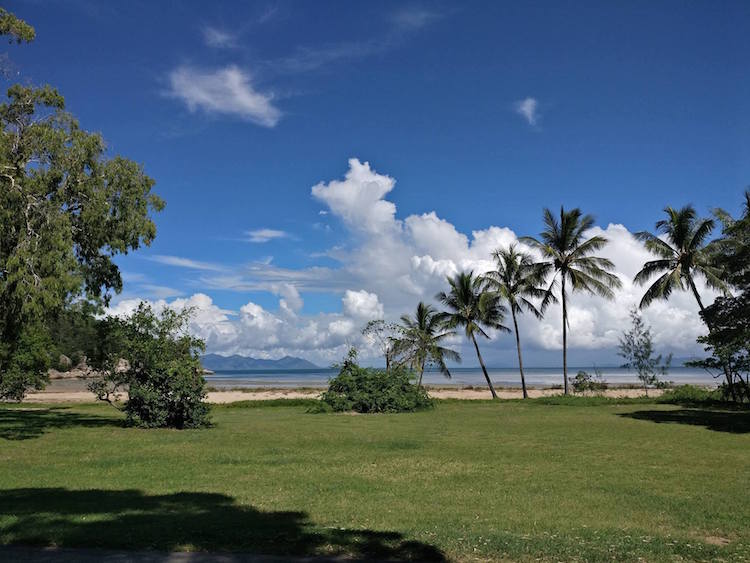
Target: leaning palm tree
{"x": 419, "y": 343}
{"x": 472, "y": 308}
{"x": 517, "y": 280}
{"x": 567, "y": 253}
{"x": 682, "y": 255}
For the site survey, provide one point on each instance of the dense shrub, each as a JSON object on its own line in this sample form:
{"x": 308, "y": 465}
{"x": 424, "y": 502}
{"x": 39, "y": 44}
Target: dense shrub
{"x": 162, "y": 372}
{"x": 368, "y": 390}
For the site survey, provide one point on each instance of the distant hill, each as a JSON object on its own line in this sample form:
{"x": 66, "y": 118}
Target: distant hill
{"x": 216, "y": 362}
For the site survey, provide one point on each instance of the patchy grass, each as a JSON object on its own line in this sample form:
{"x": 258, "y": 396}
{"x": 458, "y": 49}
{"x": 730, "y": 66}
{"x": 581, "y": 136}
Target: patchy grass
{"x": 469, "y": 480}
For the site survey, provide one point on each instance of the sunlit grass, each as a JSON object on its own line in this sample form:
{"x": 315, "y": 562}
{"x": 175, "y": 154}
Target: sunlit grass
{"x": 468, "y": 479}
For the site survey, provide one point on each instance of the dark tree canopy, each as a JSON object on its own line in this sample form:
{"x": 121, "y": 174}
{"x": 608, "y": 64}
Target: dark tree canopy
{"x": 66, "y": 210}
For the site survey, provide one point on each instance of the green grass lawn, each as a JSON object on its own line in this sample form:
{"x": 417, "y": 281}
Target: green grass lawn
{"x": 468, "y": 480}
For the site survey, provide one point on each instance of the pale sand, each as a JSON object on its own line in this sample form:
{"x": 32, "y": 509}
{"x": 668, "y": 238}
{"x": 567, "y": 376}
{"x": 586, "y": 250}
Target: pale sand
{"x": 220, "y": 397}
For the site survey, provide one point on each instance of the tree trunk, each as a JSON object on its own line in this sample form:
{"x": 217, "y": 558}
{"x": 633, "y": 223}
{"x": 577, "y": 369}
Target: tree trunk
{"x": 421, "y": 372}
{"x": 484, "y": 369}
{"x": 520, "y": 359}
{"x": 727, "y": 372}
{"x": 565, "y": 336}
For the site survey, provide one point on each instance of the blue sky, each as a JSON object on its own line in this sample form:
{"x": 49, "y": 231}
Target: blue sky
{"x": 482, "y": 113}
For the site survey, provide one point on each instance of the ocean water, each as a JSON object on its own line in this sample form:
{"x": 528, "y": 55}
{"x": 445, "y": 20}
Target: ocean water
{"x": 501, "y": 377}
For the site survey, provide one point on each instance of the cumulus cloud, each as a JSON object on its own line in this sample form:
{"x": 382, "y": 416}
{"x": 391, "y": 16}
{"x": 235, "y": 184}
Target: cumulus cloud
{"x": 264, "y": 235}
{"x": 226, "y": 91}
{"x": 362, "y": 305}
{"x": 528, "y": 109}
{"x": 389, "y": 264}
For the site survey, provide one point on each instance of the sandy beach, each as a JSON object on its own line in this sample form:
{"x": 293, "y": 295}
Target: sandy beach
{"x": 74, "y": 391}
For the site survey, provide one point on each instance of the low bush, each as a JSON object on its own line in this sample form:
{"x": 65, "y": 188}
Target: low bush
{"x": 367, "y": 390}
{"x": 584, "y": 381}
{"x": 691, "y": 394}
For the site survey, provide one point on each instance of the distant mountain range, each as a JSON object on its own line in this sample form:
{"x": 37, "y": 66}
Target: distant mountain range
{"x": 215, "y": 362}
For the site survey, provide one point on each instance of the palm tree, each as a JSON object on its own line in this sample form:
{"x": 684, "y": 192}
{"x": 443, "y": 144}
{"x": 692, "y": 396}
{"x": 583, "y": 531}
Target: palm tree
{"x": 682, "y": 256}
{"x": 567, "y": 253}
{"x": 420, "y": 342}
{"x": 517, "y": 280}
{"x": 471, "y": 308}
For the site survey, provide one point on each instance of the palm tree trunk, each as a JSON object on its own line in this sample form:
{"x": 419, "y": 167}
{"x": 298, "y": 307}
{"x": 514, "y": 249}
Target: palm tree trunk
{"x": 727, "y": 372}
{"x": 565, "y": 337}
{"x": 484, "y": 369}
{"x": 520, "y": 359}
{"x": 421, "y": 372}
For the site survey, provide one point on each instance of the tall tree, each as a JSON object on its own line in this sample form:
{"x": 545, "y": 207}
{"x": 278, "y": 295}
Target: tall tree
{"x": 517, "y": 280}
{"x": 474, "y": 310}
{"x": 65, "y": 211}
{"x": 567, "y": 253}
{"x": 728, "y": 339}
{"x": 682, "y": 256}
{"x": 420, "y": 341}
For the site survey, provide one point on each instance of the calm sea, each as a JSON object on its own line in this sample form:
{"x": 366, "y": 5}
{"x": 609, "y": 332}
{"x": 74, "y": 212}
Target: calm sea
{"x": 501, "y": 377}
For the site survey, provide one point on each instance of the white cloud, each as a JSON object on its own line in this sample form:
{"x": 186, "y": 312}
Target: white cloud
{"x": 227, "y": 91}
{"x": 362, "y": 304}
{"x": 389, "y": 264}
{"x": 528, "y": 109}
{"x": 264, "y": 235}
{"x": 218, "y": 38}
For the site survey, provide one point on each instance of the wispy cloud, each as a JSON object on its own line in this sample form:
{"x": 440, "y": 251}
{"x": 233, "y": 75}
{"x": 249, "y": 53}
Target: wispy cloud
{"x": 218, "y": 38}
{"x": 181, "y": 262}
{"x": 264, "y": 235}
{"x": 227, "y": 91}
{"x": 414, "y": 17}
{"x": 160, "y": 291}
{"x": 528, "y": 109}
{"x": 400, "y": 25}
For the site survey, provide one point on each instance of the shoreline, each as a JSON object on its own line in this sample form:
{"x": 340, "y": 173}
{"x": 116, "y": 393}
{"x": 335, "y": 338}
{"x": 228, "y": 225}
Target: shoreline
{"x": 74, "y": 391}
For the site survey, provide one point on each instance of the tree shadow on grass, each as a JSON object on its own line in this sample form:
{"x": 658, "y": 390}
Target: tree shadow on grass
{"x": 24, "y": 423}
{"x": 736, "y": 422}
{"x": 131, "y": 519}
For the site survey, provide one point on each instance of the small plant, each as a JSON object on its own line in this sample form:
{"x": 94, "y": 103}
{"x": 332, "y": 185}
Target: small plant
{"x": 584, "y": 381}
{"x": 637, "y": 347}
{"x": 367, "y": 390}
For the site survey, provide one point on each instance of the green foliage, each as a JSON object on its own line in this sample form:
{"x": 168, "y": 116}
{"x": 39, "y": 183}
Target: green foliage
{"x": 690, "y": 394}
{"x": 24, "y": 362}
{"x": 65, "y": 212}
{"x": 419, "y": 343}
{"x": 163, "y": 375}
{"x": 637, "y": 347}
{"x": 681, "y": 256}
{"x": 15, "y": 28}
{"x": 367, "y": 390}
{"x": 584, "y": 381}
{"x": 728, "y": 317}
